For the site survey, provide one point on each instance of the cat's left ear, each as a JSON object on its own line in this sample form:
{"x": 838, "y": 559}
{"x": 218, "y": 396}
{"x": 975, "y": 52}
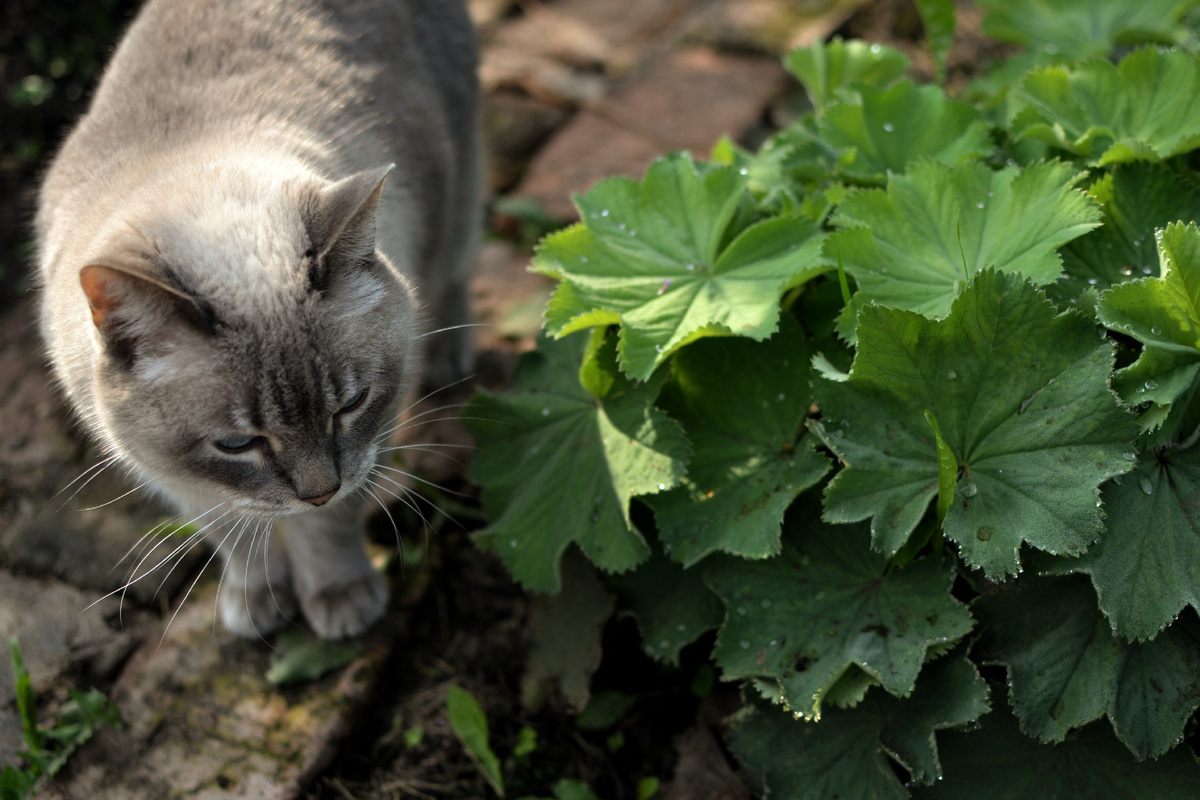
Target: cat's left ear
{"x": 341, "y": 221}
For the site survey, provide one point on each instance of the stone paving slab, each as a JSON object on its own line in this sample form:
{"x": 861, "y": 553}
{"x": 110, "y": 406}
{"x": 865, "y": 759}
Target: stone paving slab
{"x": 203, "y": 723}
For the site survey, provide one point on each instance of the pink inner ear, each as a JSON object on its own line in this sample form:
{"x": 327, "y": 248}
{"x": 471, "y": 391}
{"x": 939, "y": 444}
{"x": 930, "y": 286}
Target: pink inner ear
{"x": 100, "y": 284}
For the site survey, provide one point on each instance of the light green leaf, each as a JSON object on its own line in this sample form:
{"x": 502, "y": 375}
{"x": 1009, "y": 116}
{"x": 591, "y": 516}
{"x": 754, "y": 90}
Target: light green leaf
{"x": 663, "y": 259}
{"x": 743, "y": 406}
{"x": 1164, "y": 315}
{"x": 1146, "y": 567}
{"x": 937, "y": 17}
{"x": 1001, "y": 763}
{"x": 471, "y": 726}
{"x": 1084, "y": 28}
{"x": 1137, "y": 199}
{"x": 845, "y": 754}
{"x": 1066, "y": 667}
{"x": 1147, "y": 108}
{"x": 1021, "y": 397}
{"x": 886, "y": 130}
{"x": 913, "y": 245}
{"x": 825, "y": 68}
{"x": 672, "y": 606}
{"x": 558, "y": 466}
{"x": 799, "y": 621}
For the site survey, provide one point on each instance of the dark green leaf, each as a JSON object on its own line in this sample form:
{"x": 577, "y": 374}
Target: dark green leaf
{"x": 801, "y": 620}
{"x": 743, "y": 406}
{"x": 1021, "y": 397}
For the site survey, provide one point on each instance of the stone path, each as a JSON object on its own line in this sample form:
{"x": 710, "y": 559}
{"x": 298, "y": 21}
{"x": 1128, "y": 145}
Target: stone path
{"x": 576, "y": 90}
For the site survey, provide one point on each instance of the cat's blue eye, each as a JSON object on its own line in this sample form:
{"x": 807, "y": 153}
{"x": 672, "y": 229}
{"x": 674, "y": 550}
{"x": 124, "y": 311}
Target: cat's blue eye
{"x": 353, "y": 402}
{"x": 236, "y": 444}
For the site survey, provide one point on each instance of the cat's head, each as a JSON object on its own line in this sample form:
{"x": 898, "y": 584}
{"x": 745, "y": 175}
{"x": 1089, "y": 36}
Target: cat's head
{"x": 253, "y": 349}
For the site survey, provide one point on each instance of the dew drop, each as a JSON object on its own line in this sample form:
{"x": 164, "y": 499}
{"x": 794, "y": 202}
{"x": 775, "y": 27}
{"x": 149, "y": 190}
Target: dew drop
{"x": 1151, "y": 385}
{"x": 658, "y": 348}
{"x": 689, "y": 267}
{"x": 979, "y": 205}
{"x": 583, "y": 259}
{"x": 889, "y": 127}
{"x": 951, "y": 374}
{"x": 1126, "y": 271}
{"x": 744, "y": 644}
{"x": 743, "y": 171}
{"x": 1147, "y": 270}
{"x": 604, "y": 212}
{"x": 662, "y": 487}
{"x": 512, "y": 543}
{"x": 1145, "y": 484}
{"x": 876, "y": 48}
{"x": 1091, "y": 281}
{"x": 1156, "y": 331}
{"x": 664, "y": 644}
{"x": 984, "y": 533}
{"x": 1118, "y": 479}
{"x": 766, "y": 603}
{"x": 819, "y": 595}
{"x": 545, "y": 412}
{"x": 780, "y": 398}
{"x": 680, "y": 628}
{"x": 969, "y": 489}
{"x": 1129, "y": 456}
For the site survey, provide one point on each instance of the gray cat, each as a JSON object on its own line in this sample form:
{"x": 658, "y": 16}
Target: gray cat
{"x": 231, "y": 244}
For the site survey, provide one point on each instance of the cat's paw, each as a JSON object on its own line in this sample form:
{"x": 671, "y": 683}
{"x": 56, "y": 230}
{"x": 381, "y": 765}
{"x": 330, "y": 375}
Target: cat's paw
{"x": 347, "y": 609}
{"x": 255, "y": 611}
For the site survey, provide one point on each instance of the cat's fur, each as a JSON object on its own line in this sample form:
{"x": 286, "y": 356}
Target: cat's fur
{"x": 230, "y": 245}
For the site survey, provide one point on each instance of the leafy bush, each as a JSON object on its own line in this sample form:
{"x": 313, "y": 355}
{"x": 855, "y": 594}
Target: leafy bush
{"x": 910, "y": 391}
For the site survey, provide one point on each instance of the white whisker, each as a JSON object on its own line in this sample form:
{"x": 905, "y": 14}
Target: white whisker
{"x": 455, "y": 328}
{"x": 115, "y": 499}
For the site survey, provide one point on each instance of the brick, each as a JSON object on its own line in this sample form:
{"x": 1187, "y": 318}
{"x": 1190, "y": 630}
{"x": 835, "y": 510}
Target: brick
{"x": 685, "y": 101}
{"x": 588, "y": 148}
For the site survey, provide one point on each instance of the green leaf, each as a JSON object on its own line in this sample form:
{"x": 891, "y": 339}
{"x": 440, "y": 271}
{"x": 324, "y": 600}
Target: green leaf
{"x": 26, "y": 698}
{"x": 1146, "y": 568}
{"x": 301, "y": 657}
{"x": 825, "y": 68}
{"x": 558, "y": 466}
{"x": 1164, "y": 315}
{"x": 846, "y": 753}
{"x": 662, "y": 258}
{"x": 1067, "y": 668}
{"x": 1146, "y": 108}
{"x": 1001, "y": 763}
{"x": 802, "y": 619}
{"x": 886, "y": 130}
{"x": 1084, "y": 28}
{"x": 471, "y": 726}
{"x": 933, "y": 229}
{"x": 1137, "y": 199}
{"x": 937, "y": 17}
{"x": 947, "y": 466}
{"x": 1021, "y": 397}
{"x": 672, "y": 605}
{"x": 743, "y": 405}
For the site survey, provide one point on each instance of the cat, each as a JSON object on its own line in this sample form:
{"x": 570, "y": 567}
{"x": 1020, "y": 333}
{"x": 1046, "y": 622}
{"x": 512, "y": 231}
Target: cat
{"x": 230, "y": 248}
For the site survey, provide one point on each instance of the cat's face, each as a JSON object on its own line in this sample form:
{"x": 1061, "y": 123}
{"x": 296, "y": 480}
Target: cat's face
{"x": 255, "y": 364}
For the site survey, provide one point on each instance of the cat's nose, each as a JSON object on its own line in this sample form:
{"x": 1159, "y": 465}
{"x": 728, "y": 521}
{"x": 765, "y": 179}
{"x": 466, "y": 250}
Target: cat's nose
{"x": 322, "y": 499}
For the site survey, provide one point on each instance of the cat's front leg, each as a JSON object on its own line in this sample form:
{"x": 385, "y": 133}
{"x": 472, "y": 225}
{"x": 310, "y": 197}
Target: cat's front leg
{"x": 256, "y": 596}
{"x": 339, "y": 590}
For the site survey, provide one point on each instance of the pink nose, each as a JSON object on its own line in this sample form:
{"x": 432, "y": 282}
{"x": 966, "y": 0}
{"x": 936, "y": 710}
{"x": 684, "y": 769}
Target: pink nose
{"x": 321, "y": 500}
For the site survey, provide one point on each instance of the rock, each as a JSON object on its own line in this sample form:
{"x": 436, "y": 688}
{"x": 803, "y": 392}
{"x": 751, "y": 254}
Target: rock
{"x": 515, "y": 125}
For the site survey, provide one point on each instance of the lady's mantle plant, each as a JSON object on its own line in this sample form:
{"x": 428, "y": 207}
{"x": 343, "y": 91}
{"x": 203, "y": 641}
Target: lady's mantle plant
{"x": 910, "y": 390}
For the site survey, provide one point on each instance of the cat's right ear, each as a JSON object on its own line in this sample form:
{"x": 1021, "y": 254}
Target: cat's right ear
{"x": 130, "y": 307}
{"x": 341, "y": 222}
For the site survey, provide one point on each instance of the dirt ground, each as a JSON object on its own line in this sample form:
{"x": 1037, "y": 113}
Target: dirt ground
{"x": 556, "y": 72}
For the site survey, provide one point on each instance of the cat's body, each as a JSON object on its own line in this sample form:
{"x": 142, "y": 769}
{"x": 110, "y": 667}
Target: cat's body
{"x": 228, "y": 270}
